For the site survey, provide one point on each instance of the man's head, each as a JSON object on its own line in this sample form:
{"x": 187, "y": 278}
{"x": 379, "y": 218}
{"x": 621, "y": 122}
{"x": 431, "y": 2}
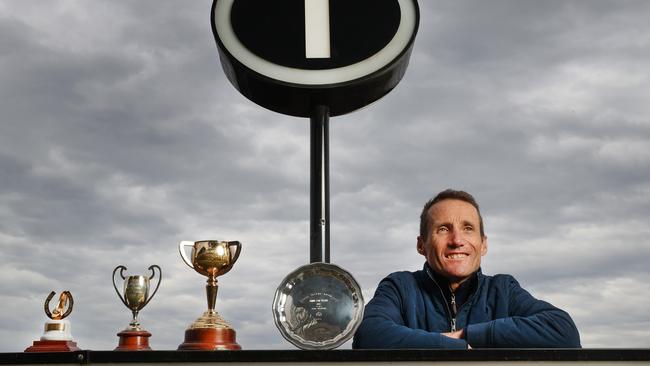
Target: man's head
{"x": 452, "y": 238}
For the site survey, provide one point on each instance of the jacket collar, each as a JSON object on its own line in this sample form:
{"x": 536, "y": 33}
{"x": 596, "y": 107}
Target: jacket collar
{"x": 441, "y": 280}
{"x": 464, "y": 291}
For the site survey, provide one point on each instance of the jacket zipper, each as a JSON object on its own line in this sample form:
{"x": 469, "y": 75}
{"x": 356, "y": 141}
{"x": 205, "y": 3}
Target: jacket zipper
{"x": 452, "y": 323}
{"x": 453, "y": 300}
{"x": 454, "y": 310}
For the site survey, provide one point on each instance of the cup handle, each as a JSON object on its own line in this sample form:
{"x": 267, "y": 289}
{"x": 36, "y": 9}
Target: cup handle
{"x": 234, "y": 254}
{"x": 153, "y": 274}
{"x": 181, "y": 250}
{"x": 122, "y": 269}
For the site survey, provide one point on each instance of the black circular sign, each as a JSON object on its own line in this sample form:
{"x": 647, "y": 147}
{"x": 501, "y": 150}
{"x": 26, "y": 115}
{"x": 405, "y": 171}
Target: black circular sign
{"x": 292, "y": 55}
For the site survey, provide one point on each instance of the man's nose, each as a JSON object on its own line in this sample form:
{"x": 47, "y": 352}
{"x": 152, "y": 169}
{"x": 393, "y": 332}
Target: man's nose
{"x": 456, "y": 238}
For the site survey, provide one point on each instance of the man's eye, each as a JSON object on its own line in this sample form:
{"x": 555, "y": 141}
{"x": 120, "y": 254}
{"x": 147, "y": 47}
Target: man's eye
{"x": 469, "y": 228}
{"x": 443, "y": 229}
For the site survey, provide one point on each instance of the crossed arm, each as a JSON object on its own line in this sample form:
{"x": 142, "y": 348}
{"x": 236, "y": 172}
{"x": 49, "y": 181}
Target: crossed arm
{"x": 530, "y": 323}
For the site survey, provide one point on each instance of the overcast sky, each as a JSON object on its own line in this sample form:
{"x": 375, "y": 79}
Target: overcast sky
{"x": 120, "y": 136}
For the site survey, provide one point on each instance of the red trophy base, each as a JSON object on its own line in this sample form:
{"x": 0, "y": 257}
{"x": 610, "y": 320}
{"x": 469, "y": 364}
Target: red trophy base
{"x": 133, "y": 340}
{"x": 209, "y": 339}
{"x": 53, "y": 346}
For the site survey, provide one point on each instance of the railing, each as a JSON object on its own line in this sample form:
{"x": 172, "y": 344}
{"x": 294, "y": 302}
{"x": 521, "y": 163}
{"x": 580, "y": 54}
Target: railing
{"x": 600, "y": 357}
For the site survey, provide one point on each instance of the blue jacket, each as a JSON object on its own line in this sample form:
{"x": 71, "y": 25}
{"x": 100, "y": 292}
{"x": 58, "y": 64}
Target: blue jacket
{"x": 410, "y": 311}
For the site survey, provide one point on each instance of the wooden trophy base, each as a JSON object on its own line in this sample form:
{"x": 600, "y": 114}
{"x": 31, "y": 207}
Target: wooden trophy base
{"x": 133, "y": 340}
{"x": 53, "y": 346}
{"x": 209, "y": 339}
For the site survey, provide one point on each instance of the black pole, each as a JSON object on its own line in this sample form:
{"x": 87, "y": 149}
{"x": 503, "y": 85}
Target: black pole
{"x": 319, "y": 193}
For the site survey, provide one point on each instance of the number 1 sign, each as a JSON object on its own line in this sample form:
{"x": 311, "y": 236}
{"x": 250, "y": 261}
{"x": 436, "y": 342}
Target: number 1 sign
{"x": 292, "y": 55}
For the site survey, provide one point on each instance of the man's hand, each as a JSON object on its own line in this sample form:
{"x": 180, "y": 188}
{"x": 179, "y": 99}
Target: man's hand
{"x": 459, "y": 334}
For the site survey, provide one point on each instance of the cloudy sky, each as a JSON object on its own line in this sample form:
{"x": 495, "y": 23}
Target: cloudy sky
{"x": 120, "y": 136}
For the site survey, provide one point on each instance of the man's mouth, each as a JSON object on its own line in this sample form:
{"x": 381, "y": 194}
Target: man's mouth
{"x": 456, "y": 255}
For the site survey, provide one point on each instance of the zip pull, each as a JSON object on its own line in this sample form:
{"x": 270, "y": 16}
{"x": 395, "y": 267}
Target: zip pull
{"x": 454, "y": 310}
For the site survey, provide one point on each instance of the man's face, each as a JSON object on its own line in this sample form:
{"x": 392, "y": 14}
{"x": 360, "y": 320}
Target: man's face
{"x": 454, "y": 245}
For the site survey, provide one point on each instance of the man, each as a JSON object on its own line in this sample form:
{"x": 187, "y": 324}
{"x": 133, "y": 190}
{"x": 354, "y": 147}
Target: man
{"x": 450, "y": 303}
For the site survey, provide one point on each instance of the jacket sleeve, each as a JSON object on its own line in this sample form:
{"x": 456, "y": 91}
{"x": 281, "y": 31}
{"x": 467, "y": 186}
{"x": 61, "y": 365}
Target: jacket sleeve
{"x": 383, "y": 325}
{"x": 531, "y": 323}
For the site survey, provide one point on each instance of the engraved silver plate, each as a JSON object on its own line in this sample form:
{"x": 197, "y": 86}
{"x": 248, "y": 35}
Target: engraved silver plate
{"x": 318, "y": 306}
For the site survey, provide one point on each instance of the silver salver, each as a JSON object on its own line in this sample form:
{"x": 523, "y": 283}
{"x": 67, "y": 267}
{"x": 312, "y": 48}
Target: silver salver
{"x": 318, "y": 306}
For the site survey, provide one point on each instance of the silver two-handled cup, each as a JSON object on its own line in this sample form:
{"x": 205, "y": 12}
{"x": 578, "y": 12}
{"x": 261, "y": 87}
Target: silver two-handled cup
{"x": 136, "y": 291}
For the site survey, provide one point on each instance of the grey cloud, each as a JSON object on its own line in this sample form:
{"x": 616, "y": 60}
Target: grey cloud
{"x": 120, "y": 136}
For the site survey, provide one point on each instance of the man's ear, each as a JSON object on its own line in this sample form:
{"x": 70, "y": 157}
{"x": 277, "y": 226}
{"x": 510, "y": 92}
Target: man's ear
{"x": 420, "y": 246}
{"x": 484, "y": 246}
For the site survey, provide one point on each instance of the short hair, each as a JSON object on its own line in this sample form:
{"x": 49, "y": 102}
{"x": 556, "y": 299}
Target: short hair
{"x": 445, "y": 195}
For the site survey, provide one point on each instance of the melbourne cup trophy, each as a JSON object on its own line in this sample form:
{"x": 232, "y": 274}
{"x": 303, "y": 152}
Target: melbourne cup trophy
{"x": 135, "y": 297}
{"x": 211, "y": 258}
{"x": 57, "y": 336}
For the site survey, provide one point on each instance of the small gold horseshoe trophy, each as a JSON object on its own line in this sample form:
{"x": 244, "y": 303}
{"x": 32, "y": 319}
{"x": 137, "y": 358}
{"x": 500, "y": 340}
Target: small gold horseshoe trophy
{"x": 57, "y": 336}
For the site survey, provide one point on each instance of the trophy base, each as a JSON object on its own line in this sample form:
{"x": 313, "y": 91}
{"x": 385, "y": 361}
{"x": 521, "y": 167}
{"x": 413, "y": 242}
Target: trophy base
{"x": 209, "y": 339}
{"x": 133, "y": 340}
{"x": 53, "y": 346}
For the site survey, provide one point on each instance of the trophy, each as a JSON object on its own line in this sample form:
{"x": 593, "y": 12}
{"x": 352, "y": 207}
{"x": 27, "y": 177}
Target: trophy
{"x": 211, "y": 258}
{"x": 136, "y": 296}
{"x": 57, "y": 336}
{"x": 318, "y": 306}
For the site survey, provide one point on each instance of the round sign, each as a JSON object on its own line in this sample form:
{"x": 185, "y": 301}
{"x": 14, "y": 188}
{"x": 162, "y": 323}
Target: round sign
{"x": 293, "y": 55}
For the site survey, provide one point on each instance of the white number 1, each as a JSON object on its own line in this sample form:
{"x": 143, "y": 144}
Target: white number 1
{"x": 317, "y": 29}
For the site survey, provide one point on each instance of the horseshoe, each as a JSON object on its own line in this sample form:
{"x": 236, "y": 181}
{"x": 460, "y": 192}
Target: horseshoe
{"x": 64, "y": 298}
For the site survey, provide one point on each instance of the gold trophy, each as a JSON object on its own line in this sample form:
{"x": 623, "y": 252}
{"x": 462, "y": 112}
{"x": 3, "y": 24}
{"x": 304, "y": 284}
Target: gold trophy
{"x": 57, "y": 336}
{"x": 136, "y": 296}
{"x": 211, "y": 258}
